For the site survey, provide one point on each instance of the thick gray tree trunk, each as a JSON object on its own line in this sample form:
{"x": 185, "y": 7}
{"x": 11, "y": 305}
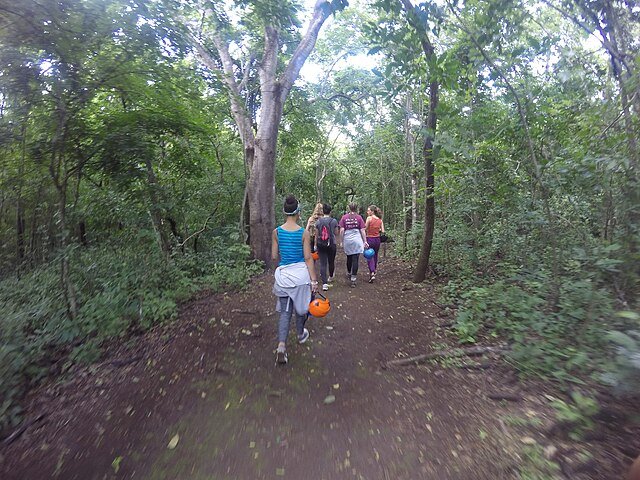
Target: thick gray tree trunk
{"x": 260, "y": 144}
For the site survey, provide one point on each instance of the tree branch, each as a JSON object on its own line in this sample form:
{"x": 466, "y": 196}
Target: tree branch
{"x": 604, "y": 40}
{"x": 426, "y": 44}
{"x": 204, "y": 227}
{"x": 516, "y": 96}
{"x": 269, "y": 64}
{"x": 238, "y": 110}
{"x": 302, "y": 52}
{"x": 245, "y": 73}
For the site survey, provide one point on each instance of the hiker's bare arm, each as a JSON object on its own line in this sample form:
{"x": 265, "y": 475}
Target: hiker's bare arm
{"x": 274, "y": 246}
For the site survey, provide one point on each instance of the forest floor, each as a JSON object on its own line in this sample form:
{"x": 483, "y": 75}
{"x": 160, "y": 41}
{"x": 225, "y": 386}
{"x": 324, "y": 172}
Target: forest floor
{"x": 201, "y": 398}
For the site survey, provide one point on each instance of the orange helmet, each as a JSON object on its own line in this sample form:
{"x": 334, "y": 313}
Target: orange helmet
{"x": 319, "y": 307}
{"x": 315, "y": 255}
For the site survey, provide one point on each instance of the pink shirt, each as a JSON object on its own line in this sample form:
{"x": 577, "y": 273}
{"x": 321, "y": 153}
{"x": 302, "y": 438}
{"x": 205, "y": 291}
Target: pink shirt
{"x": 351, "y": 221}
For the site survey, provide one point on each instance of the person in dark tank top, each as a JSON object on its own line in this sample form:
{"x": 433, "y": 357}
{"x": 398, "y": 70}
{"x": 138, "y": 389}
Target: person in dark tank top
{"x": 326, "y": 248}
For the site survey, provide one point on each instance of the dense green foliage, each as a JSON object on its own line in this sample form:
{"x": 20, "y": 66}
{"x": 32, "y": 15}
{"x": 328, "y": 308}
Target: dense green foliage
{"x": 122, "y": 179}
{"x": 123, "y": 289}
{"x": 536, "y": 186}
{"x": 120, "y": 183}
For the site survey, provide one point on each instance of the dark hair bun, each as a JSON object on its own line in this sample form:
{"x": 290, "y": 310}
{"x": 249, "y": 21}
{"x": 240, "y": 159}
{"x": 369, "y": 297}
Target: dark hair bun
{"x": 290, "y": 204}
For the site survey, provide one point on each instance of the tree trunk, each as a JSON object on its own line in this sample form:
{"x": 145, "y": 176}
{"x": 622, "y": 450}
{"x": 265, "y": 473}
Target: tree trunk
{"x": 155, "y": 211}
{"x": 414, "y": 173}
{"x": 429, "y": 206}
{"x": 629, "y": 96}
{"x": 427, "y": 150}
{"x": 260, "y": 146}
{"x": 321, "y": 165}
{"x": 408, "y": 164}
{"x": 428, "y": 49}
{"x": 68, "y": 289}
{"x": 414, "y": 185}
{"x": 59, "y": 174}
{"x": 34, "y": 245}
{"x": 405, "y": 216}
{"x": 20, "y": 230}
{"x": 20, "y": 222}
{"x": 262, "y": 182}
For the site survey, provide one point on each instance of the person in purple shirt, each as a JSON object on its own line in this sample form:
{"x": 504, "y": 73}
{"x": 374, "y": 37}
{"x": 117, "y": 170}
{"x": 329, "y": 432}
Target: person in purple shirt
{"x": 354, "y": 240}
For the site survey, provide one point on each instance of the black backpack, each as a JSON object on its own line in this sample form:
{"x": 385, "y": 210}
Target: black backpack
{"x": 324, "y": 239}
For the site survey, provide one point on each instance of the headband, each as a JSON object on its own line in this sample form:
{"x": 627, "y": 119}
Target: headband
{"x": 292, "y": 213}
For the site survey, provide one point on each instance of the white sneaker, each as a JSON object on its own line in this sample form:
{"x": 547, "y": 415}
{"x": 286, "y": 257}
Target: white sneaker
{"x": 330, "y": 280}
{"x": 325, "y": 287}
{"x": 304, "y": 337}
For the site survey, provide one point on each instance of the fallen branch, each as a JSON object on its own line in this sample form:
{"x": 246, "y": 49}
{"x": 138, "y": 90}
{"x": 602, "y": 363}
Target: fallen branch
{"x": 469, "y": 352}
{"x": 15, "y": 435}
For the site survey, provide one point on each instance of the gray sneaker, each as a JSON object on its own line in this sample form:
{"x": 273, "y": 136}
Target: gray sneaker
{"x": 353, "y": 282}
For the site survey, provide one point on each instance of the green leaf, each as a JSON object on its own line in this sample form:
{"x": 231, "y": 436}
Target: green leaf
{"x": 622, "y": 339}
{"x": 116, "y": 464}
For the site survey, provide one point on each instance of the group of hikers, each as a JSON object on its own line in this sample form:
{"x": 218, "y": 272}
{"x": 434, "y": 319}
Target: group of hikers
{"x": 295, "y": 247}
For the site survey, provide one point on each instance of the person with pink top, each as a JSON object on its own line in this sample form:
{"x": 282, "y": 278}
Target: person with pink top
{"x": 353, "y": 240}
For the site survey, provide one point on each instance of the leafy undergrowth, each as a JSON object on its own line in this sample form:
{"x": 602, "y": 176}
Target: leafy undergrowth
{"x": 582, "y": 339}
{"x": 121, "y": 291}
{"x": 583, "y": 348}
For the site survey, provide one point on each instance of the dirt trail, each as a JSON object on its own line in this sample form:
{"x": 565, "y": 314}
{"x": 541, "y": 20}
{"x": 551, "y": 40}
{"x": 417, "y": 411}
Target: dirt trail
{"x": 209, "y": 382}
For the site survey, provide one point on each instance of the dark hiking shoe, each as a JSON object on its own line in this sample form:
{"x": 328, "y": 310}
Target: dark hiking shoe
{"x": 281, "y": 357}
